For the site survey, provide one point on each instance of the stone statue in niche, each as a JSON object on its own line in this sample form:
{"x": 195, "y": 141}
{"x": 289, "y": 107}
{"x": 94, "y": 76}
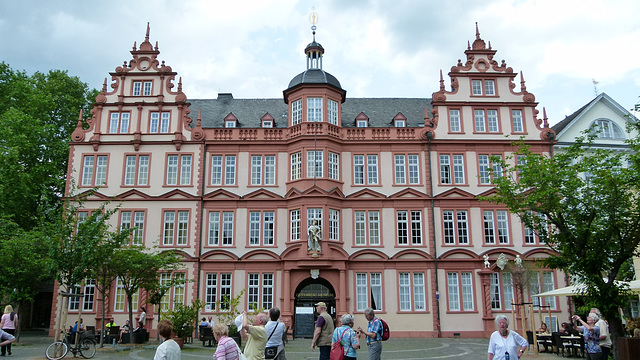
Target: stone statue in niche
{"x": 314, "y": 235}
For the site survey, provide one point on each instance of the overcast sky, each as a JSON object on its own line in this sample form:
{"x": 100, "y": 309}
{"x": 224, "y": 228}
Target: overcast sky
{"x": 376, "y": 48}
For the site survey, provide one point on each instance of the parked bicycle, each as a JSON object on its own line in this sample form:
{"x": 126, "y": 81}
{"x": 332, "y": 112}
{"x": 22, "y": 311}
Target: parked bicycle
{"x": 59, "y": 349}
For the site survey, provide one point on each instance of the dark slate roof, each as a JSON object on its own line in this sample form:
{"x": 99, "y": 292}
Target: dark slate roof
{"x": 567, "y": 120}
{"x": 380, "y": 111}
{"x": 314, "y": 76}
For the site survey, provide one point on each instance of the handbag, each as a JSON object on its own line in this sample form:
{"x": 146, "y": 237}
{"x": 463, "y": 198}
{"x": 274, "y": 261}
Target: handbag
{"x": 337, "y": 350}
{"x": 240, "y": 354}
{"x": 272, "y": 351}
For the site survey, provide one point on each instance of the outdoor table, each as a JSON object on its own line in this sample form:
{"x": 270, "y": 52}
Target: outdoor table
{"x": 546, "y": 340}
{"x": 576, "y": 343}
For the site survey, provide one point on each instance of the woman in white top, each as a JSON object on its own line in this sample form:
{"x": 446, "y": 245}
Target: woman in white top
{"x": 275, "y": 333}
{"x": 169, "y": 349}
{"x": 506, "y": 341}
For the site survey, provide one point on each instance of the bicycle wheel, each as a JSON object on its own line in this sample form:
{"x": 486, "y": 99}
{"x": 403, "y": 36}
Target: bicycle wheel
{"x": 87, "y": 348}
{"x": 57, "y": 350}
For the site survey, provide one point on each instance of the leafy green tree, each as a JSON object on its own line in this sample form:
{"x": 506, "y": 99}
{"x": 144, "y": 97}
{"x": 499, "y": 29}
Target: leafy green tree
{"x": 137, "y": 267}
{"x": 38, "y": 113}
{"x": 584, "y": 204}
{"x": 79, "y": 244}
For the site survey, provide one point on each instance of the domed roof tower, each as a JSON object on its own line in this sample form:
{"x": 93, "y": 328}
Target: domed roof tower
{"x": 313, "y": 75}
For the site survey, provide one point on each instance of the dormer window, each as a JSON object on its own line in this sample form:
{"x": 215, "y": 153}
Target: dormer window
{"x": 362, "y": 123}
{"x": 314, "y": 109}
{"x": 483, "y": 87}
{"x": 399, "y": 120}
{"x": 230, "y": 121}
{"x": 267, "y": 121}
{"x": 142, "y": 88}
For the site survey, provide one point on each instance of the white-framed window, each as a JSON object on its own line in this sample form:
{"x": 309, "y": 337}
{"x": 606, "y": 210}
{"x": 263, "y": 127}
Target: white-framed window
{"x": 531, "y": 237}
{"x": 136, "y": 170}
{"x": 365, "y": 169}
{"x": 334, "y": 166}
{"x": 367, "y": 227}
{"x": 455, "y": 227}
{"x": 94, "y": 170}
{"x": 334, "y": 224}
{"x": 230, "y": 123}
{"x": 399, "y": 123}
{"x": 455, "y": 124}
{"x": 362, "y": 123}
{"x": 496, "y": 220}
{"x": 133, "y": 219}
{"x": 179, "y": 168}
{"x": 315, "y": 164}
{"x": 517, "y": 121}
{"x": 607, "y": 129}
{"x": 223, "y": 167}
{"x": 261, "y": 228}
{"x": 486, "y": 120}
{"x": 501, "y": 291}
{"x": 142, "y": 88}
{"x": 294, "y": 220}
{"x": 178, "y": 290}
{"x": 452, "y": 173}
{"x": 137, "y": 88}
{"x": 296, "y": 112}
{"x": 409, "y": 225}
{"x": 159, "y": 122}
{"x": 407, "y": 169}
{"x": 218, "y": 291}
{"x": 120, "y": 297}
{"x": 175, "y": 228}
{"x": 263, "y": 170}
{"x": 542, "y": 280}
{"x": 296, "y": 165}
{"x": 267, "y": 124}
{"x": 260, "y": 291}
{"x": 220, "y": 228}
{"x": 119, "y": 122}
{"x": 486, "y": 169}
{"x": 332, "y": 112}
{"x": 411, "y": 291}
{"x": 88, "y": 295}
{"x": 460, "y": 291}
{"x": 314, "y": 109}
{"x": 369, "y": 291}
{"x": 483, "y": 87}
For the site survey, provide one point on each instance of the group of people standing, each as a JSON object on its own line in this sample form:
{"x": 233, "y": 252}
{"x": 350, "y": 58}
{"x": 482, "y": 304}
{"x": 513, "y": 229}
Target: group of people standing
{"x": 507, "y": 344}
{"x": 325, "y": 335}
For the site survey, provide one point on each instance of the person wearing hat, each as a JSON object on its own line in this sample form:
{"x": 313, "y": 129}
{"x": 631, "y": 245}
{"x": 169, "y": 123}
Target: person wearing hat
{"x": 323, "y": 332}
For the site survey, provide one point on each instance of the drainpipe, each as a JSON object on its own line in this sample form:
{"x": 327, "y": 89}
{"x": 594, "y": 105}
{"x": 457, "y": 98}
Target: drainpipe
{"x": 433, "y": 231}
{"x": 203, "y": 159}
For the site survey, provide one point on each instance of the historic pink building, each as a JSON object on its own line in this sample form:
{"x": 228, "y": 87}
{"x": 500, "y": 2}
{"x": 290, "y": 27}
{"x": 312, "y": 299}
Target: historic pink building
{"x": 236, "y": 184}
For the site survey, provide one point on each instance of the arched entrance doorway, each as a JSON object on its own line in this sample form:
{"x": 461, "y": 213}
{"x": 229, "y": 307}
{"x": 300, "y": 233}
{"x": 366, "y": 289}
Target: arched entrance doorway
{"x": 308, "y": 293}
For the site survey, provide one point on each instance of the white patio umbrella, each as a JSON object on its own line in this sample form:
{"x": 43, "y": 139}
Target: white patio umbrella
{"x": 581, "y": 289}
{"x": 572, "y": 290}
